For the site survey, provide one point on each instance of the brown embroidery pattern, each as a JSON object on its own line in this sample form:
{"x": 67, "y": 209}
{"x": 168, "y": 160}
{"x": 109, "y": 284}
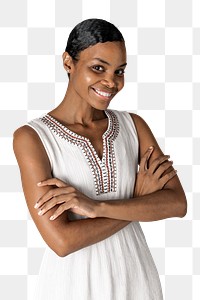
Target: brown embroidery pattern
{"x": 104, "y": 170}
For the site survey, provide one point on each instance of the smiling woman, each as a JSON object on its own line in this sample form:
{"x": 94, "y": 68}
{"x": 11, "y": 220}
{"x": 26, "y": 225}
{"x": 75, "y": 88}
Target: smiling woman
{"x": 98, "y": 75}
{"x": 79, "y": 169}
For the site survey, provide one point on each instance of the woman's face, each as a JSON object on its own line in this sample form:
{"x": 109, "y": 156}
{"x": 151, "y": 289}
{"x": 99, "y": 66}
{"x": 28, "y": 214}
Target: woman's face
{"x": 99, "y": 73}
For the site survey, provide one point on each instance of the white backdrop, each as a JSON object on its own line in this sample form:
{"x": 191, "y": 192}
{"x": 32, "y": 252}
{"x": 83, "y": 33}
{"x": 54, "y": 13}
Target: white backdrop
{"x": 162, "y": 85}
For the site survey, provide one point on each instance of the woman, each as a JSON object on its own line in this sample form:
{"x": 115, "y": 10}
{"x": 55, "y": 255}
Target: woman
{"x": 78, "y": 167}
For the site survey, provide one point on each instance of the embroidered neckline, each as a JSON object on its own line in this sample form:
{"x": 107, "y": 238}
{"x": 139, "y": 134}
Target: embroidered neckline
{"x": 103, "y": 170}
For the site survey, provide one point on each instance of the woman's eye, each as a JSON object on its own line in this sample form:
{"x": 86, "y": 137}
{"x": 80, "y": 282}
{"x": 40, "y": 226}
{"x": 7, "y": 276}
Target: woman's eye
{"x": 98, "y": 68}
{"x": 120, "y": 72}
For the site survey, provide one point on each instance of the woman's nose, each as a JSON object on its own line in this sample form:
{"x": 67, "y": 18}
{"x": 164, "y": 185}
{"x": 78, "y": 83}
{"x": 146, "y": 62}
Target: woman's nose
{"x": 109, "y": 82}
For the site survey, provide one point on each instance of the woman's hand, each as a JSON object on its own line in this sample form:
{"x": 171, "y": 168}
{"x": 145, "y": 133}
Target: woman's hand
{"x": 67, "y": 197}
{"x": 153, "y": 179}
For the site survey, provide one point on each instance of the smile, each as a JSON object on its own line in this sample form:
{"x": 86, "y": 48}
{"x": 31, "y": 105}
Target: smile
{"x": 103, "y": 94}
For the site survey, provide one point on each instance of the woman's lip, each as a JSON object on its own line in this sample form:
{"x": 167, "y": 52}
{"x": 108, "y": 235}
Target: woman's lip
{"x": 103, "y": 94}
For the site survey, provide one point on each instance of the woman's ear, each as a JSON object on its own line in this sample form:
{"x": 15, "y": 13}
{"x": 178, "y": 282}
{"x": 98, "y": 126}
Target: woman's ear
{"x": 67, "y": 61}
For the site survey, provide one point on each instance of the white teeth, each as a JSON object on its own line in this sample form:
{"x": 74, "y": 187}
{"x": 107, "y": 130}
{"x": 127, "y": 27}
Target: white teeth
{"x": 103, "y": 93}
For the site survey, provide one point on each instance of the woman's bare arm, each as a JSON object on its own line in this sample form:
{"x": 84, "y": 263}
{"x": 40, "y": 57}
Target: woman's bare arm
{"x": 61, "y": 235}
{"x": 64, "y": 236}
{"x": 158, "y": 193}
{"x": 165, "y": 203}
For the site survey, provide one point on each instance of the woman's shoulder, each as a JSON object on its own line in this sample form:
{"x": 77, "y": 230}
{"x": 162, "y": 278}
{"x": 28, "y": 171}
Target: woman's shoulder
{"x": 25, "y": 132}
{"x": 27, "y": 128}
{"x": 28, "y": 146}
{"x": 137, "y": 123}
{"x": 29, "y": 131}
{"x": 25, "y": 139}
{"x": 138, "y": 120}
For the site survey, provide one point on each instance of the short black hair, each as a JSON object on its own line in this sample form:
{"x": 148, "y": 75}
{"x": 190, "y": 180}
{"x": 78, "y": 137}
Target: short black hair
{"x": 90, "y": 32}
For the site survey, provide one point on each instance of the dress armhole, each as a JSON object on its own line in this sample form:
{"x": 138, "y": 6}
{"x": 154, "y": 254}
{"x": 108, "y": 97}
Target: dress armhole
{"x": 43, "y": 143}
{"x": 133, "y": 124}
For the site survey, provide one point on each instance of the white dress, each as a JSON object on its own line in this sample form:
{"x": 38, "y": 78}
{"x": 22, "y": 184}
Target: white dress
{"x": 121, "y": 266}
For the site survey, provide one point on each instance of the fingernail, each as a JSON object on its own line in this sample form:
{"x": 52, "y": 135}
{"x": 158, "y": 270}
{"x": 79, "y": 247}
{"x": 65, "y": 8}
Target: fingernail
{"x": 36, "y": 205}
{"x": 52, "y": 218}
{"x": 39, "y": 183}
{"x": 40, "y": 212}
{"x": 151, "y": 147}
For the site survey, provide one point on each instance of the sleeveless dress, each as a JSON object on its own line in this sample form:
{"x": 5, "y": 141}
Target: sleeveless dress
{"x": 121, "y": 266}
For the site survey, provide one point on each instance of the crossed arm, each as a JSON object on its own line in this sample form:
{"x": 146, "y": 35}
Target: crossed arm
{"x": 64, "y": 236}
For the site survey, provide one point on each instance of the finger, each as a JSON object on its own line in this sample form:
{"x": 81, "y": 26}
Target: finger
{"x": 162, "y": 168}
{"x": 52, "y": 181}
{"x": 167, "y": 177}
{"x": 51, "y": 203}
{"x": 145, "y": 158}
{"x": 157, "y": 162}
{"x": 54, "y": 193}
{"x": 61, "y": 209}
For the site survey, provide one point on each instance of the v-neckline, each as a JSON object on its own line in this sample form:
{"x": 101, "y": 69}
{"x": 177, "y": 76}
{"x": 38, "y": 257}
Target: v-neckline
{"x": 81, "y": 137}
{"x": 104, "y": 170}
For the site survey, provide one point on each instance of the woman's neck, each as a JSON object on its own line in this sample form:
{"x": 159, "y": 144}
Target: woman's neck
{"x": 73, "y": 110}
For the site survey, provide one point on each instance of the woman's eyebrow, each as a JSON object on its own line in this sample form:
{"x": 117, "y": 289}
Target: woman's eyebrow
{"x": 105, "y": 62}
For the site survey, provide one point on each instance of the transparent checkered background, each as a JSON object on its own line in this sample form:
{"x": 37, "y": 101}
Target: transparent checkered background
{"x": 162, "y": 85}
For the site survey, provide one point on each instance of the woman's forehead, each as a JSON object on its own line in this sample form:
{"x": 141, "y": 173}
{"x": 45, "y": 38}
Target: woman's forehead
{"x": 107, "y": 50}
